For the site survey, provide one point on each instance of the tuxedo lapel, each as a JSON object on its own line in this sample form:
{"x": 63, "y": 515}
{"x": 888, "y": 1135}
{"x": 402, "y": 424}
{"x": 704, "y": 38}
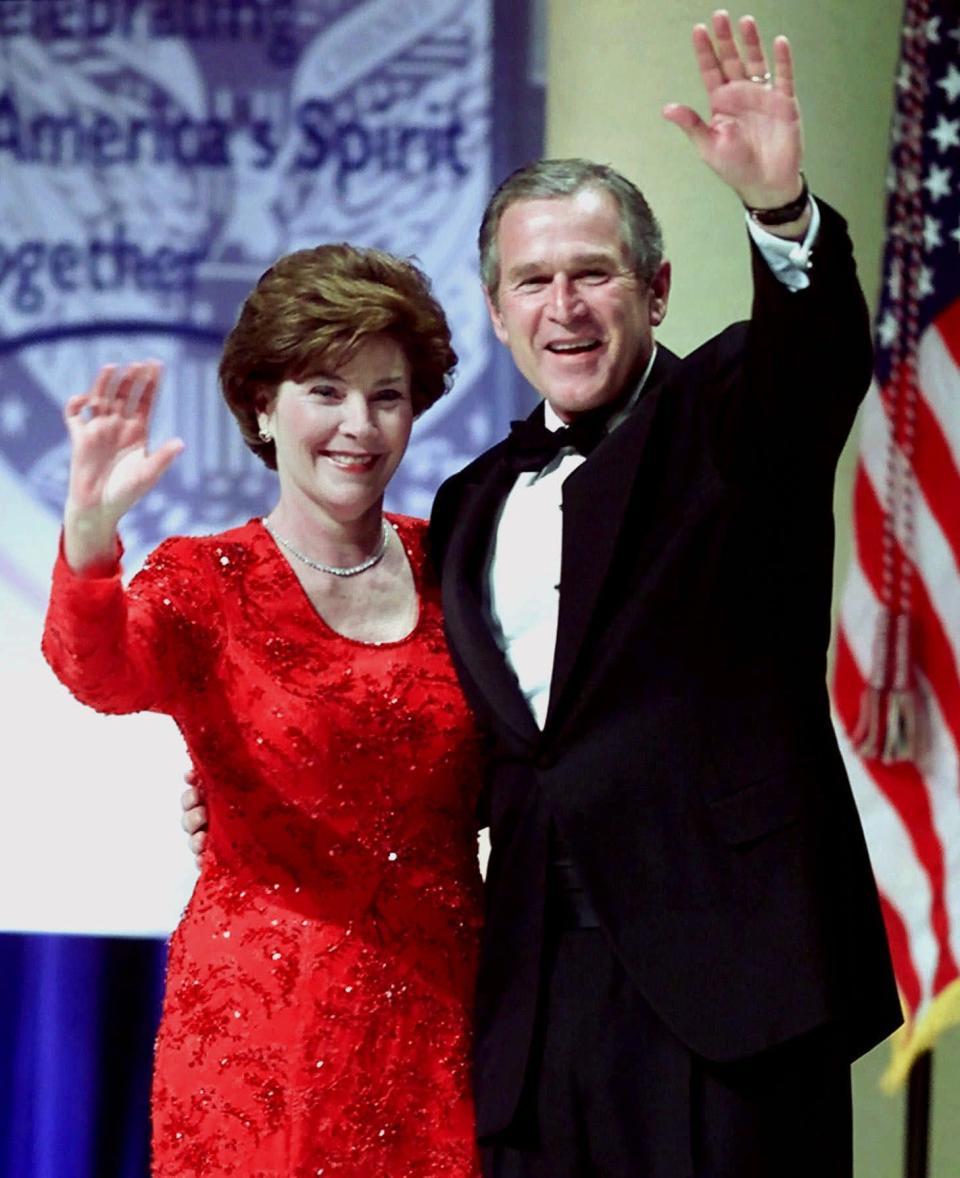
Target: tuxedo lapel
{"x": 462, "y": 588}
{"x": 595, "y": 499}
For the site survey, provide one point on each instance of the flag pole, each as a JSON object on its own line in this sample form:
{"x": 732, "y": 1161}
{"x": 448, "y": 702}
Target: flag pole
{"x": 916, "y": 1148}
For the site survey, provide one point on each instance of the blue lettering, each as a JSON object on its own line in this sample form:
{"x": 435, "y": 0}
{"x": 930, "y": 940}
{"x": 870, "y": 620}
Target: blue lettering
{"x": 353, "y": 149}
{"x": 10, "y": 127}
{"x": 137, "y": 132}
{"x": 200, "y": 143}
{"x": 401, "y": 147}
{"x": 309, "y": 116}
{"x": 261, "y": 132}
{"x": 103, "y": 251}
{"x": 23, "y": 263}
{"x": 52, "y": 134}
{"x": 101, "y": 140}
{"x": 64, "y": 260}
{"x": 283, "y": 44}
{"x": 165, "y": 267}
{"x": 105, "y": 134}
{"x": 272, "y": 22}
{"x": 101, "y": 265}
{"x": 453, "y": 133}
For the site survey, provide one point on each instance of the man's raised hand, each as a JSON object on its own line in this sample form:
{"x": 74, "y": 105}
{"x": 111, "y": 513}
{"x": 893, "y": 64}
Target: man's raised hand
{"x": 194, "y": 816}
{"x": 753, "y": 139}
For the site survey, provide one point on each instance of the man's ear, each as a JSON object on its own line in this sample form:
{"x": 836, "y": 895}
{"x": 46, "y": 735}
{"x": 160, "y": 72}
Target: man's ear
{"x": 499, "y": 330}
{"x": 659, "y": 294}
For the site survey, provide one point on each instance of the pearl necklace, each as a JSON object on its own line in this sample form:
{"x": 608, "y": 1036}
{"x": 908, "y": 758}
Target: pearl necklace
{"x": 334, "y": 570}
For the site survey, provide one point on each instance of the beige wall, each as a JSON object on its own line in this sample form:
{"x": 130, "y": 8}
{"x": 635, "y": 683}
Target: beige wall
{"x": 612, "y": 64}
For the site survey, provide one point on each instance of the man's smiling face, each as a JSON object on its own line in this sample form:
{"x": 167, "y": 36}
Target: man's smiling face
{"x": 576, "y": 318}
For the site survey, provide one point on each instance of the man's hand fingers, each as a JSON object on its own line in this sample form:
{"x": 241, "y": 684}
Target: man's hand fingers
{"x": 194, "y": 817}
{"x": 687, "y": 119}
{"x": 708, "y": 63}
{"x": 194, "y": 820}
{"x": 756, "y": 61}
{"x": 197, "y": 843}
{"x": 727, "y": 52}
{"x": 783, "y": 64}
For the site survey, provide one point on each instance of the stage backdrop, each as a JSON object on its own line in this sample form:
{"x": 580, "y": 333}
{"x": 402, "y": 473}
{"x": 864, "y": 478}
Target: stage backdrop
{"x": 156, "y": 157}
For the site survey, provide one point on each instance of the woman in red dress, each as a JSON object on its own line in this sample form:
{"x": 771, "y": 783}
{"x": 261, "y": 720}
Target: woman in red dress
{"x": 317, "y": 1007}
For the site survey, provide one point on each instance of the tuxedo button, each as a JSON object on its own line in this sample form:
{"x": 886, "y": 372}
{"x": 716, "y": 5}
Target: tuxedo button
{"x": 545, "y": 760}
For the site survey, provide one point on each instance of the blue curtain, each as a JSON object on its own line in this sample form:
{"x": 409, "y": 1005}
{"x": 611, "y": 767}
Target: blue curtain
{"x": 77, "y": 1020}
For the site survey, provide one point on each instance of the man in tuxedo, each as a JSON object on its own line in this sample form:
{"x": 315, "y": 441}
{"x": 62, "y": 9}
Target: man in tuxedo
{"x": 683, "y": 948}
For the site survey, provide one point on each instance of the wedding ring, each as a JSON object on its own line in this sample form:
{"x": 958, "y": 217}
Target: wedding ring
{"x": 763, "y": 79}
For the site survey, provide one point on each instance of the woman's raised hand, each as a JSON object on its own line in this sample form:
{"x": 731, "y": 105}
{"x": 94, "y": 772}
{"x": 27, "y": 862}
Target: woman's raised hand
{"x": 110, "y": 467}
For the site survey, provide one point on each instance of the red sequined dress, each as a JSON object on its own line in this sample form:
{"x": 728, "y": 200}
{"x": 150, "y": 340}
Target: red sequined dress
{"x": 319, "y": 987}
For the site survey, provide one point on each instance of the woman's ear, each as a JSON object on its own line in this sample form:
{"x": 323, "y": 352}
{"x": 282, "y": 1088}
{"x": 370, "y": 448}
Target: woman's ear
{"x": 264, "y": 403}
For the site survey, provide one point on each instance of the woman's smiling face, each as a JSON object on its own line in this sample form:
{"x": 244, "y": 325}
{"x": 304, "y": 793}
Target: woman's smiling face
{"x": 340, "y": 434}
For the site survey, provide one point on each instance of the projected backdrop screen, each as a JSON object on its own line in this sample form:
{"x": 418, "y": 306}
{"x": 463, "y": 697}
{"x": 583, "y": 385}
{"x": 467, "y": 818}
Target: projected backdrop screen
{"x": 156, "y": 158}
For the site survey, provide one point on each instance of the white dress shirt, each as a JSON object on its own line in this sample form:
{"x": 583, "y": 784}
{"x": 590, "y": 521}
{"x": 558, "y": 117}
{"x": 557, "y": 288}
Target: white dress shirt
{"x": 522, "y": 579}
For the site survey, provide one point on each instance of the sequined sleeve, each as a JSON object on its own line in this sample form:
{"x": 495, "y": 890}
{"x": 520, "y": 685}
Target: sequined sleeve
{"x": 144, "y": 648}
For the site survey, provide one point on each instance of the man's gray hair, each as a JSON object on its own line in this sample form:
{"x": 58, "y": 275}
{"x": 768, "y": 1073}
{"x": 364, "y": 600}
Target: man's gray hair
{"x": 549, "y": 179}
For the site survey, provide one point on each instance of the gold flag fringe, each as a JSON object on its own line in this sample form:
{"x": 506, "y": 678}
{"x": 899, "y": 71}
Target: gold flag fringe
{"x": 913, "y": 1038}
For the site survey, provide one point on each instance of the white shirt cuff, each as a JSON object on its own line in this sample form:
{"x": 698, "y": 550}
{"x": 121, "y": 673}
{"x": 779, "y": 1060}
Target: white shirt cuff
{"x": 789, "y": 260}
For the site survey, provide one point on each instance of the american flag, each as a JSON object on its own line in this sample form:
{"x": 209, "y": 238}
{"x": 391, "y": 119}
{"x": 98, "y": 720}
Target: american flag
{"x": 896, "y": 687}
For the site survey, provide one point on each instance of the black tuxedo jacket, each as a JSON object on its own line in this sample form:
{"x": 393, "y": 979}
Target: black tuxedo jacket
{"x": 688, "y": 755}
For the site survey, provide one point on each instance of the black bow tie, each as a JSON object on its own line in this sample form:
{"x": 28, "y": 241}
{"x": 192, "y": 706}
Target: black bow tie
{"x": 531, "y": 446}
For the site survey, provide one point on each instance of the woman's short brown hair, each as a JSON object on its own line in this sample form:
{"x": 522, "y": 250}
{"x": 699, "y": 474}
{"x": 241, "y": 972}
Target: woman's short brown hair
{"x": 315, "y": 307}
